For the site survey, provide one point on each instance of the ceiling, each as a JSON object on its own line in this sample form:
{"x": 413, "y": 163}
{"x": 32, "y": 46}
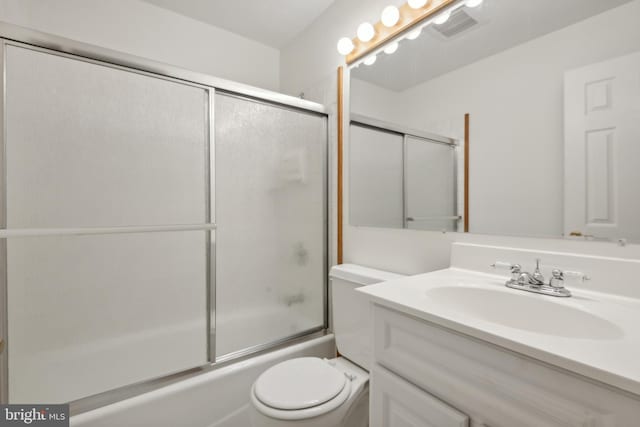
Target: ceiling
{"x": 502, "y": 25}
{"x": 271, "y": 22}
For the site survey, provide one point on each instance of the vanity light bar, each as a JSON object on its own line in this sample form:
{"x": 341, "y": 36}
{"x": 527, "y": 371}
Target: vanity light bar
{"x": 396, "y": 22}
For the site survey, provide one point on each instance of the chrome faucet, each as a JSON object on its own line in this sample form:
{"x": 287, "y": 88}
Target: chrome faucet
{"x": 535, "y": 282}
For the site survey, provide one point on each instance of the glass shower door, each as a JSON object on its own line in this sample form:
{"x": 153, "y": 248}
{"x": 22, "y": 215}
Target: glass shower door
{"x": 106, "y": 195}
{"x": 270, "y": 212}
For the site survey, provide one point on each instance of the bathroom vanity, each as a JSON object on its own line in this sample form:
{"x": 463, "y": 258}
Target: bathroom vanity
{"x": 457, "y": 348}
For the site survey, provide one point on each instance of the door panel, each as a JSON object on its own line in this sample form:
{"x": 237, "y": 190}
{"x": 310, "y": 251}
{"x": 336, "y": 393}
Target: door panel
{"x": 397, "y": 403}
{"x": 602, "y": 145}
{"x": 92, "y": 313}
{"x": 91, "y": 146}
{"x": 375, "y": 178}
{"x": 88, "y": 145}
{"x": 270, "y": 216}
{"x": 430, "y": 170}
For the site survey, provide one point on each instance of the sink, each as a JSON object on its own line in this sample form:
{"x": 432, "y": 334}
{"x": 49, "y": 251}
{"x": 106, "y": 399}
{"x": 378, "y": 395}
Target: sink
{"x": 528, "y": 312}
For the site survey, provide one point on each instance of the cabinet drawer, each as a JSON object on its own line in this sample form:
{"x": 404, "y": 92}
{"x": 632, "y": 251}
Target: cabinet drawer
{"x": 397, "y": 403}
{"x": 492, "y": 385}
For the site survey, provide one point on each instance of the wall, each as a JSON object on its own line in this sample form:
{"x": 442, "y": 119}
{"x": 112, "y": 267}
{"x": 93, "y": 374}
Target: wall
{"x": 145, "y": 30}
{"x": 308, "y": 61}
{"x": 376, "y": 102}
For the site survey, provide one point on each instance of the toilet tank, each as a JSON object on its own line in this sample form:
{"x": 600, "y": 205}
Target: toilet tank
{"x": 351, "y": 312}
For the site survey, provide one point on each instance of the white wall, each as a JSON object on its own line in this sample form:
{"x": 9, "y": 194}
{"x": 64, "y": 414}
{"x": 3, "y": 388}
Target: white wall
{"x": 376, "y": 102}
{"x": 145, "y": 30}
{"x": 306, "y": 63}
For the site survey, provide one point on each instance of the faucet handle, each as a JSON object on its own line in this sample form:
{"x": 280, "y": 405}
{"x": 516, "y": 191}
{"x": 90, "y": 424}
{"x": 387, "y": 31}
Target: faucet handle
{"x": 557, "y": 279}
{"x": 576, "y": 275}
{"x": 515, "y": 269}
{"x": 501, "y": 265}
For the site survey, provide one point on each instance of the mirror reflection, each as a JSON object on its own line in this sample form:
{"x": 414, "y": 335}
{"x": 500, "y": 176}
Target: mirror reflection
{"x": 552, "y": 90}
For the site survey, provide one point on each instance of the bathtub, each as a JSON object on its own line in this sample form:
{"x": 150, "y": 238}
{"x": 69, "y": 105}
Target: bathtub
{"x": 217, "y": 398}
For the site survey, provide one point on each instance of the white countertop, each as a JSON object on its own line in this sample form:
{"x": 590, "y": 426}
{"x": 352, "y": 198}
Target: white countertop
{"x": 605, "y": 348}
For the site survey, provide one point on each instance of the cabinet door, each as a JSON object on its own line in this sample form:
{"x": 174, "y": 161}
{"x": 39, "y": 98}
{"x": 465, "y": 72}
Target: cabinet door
{"x": 494, "y": 387}
{"x": 397, "y": 403}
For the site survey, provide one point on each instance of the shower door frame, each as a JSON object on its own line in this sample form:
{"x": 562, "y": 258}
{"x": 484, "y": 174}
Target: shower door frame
{"x": 11, "y": 35}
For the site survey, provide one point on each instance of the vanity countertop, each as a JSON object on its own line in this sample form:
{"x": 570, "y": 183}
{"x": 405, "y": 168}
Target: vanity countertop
{"x": 592, "y": 334}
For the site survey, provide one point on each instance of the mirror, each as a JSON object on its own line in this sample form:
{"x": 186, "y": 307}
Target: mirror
{"x": 552, "y": 90}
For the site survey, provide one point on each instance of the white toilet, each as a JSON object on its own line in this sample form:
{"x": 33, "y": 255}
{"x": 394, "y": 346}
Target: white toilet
{"x": 314, "y": 392}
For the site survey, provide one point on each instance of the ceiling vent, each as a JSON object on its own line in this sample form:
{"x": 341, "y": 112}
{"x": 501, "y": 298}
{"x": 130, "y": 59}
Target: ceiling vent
{"x": 459, "y": 22}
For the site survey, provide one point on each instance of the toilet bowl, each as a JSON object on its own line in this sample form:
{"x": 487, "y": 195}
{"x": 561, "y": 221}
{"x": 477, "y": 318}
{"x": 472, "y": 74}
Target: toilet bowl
{"x": 314, "y": 392}
{"x": 311, "y": 392}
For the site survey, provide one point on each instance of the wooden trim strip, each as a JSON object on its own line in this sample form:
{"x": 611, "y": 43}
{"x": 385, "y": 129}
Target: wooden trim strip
{"x": 408, "y": 18}
{"x": 340, "y": 184}
{"x": 466, "y": 172}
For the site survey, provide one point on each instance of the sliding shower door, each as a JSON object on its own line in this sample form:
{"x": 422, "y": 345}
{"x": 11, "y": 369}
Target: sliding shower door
{"x": 111, "y": 180}
{"x": 106, "y": 243}
{"x": 430, "y": 185}
{"x": 270, "y": 213}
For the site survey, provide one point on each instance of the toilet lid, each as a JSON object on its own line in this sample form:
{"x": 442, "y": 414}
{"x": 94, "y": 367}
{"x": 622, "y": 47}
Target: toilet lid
{"x": 299, "y": 383}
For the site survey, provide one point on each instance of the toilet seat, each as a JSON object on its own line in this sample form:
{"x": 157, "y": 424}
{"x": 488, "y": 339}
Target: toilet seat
{"x": 300, "y": 388}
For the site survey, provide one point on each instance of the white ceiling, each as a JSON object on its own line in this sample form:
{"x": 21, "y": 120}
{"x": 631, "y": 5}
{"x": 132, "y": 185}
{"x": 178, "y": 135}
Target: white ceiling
{"x": 271, "y": 22}
{"x": 503, "y": 24}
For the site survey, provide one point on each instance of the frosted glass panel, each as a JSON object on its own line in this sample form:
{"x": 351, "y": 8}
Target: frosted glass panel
{"x": 430, "y": 185}
{"x": 89, "y": 145}
{"x": 89, "y": 314}
{"x": 375, "y": 178}
{"x": 270, "y": 254}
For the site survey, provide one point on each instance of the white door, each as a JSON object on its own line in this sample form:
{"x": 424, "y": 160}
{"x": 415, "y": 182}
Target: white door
{"x": 602, "y": 148}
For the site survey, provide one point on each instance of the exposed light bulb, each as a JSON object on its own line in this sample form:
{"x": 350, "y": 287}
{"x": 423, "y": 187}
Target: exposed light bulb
{"x": 473, "y": 3}
{"x": 391, "y": 48}
{"x": 365, "y": 32}
{"x": 390, "y": 16}
{"x": 442, "y": 18}
{"x": 417, "y": 4}
{"x": 370, "y": 60}
{"x": 345, "y": 46}
{"x": 414, "y": 34}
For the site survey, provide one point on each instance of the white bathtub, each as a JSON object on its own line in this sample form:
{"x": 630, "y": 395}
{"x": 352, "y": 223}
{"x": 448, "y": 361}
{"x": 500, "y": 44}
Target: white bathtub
{"x": 218, "y": 398}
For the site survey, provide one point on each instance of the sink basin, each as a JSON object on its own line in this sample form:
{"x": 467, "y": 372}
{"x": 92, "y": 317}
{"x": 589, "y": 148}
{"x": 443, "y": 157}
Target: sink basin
{"x": 529, "y": 312}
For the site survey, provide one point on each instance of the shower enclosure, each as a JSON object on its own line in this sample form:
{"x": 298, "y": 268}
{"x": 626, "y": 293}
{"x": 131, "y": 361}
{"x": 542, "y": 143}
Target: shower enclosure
{"x": 153, "y": 220}
{"x": 402, "y": 178}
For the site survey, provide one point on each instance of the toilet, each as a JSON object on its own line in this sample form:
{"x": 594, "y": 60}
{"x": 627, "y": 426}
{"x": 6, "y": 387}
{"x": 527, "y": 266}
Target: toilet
{"x": 314, "y": 392}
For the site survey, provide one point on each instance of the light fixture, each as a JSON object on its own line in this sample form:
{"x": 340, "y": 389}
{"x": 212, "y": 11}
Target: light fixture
{"x": 442, "y": 18}
{"x": 473, "y": 3}
{"x": 391, "y": 48}
{"x": 390, "y": 16}
{"x": 345, "y": 46}
{"x": 365, "y": 32}
{"x": 414, "y": 34}
{"x": 370, "y": 60}
{"x": 417, "y": 4}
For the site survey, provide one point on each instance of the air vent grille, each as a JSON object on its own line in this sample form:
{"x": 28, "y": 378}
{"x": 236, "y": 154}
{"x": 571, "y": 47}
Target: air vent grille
{"x": 458, "y": 22}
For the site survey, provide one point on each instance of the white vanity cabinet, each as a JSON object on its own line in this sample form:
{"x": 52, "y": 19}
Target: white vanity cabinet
{"x": 426, "y": 375}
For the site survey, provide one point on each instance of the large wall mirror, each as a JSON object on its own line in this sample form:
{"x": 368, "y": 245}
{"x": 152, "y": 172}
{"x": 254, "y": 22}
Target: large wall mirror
{"x": 552, "y": 89}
